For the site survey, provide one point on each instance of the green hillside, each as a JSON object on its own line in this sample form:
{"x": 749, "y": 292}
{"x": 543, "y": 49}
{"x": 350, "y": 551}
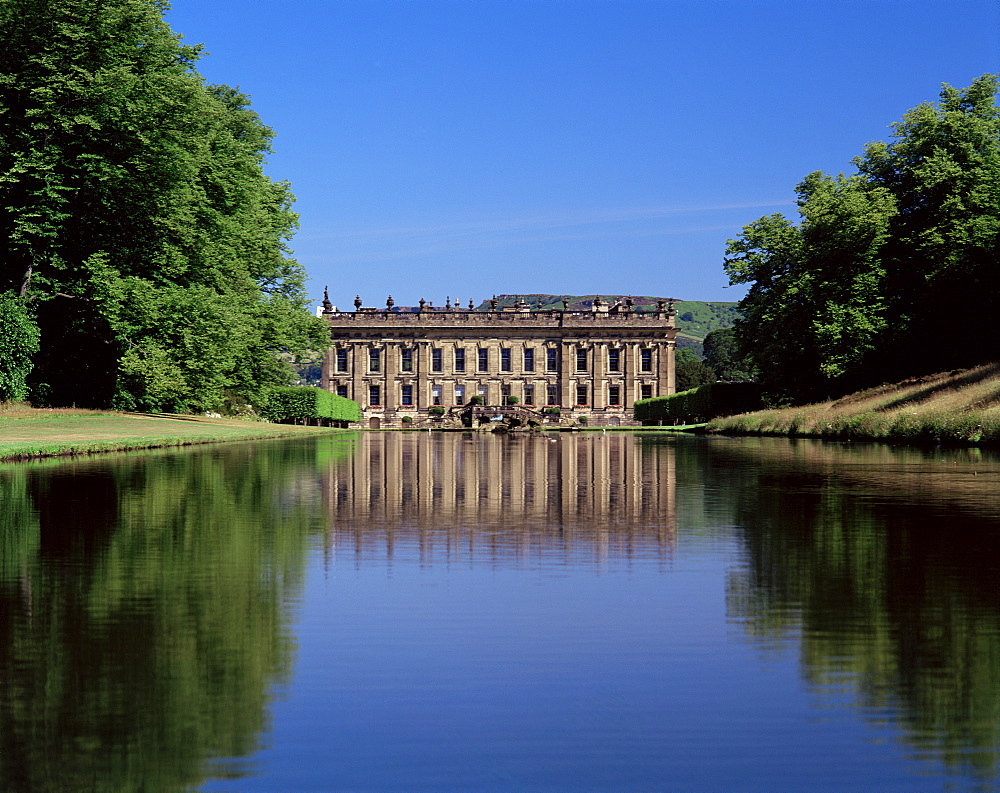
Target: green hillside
{"x": 695, "y": 318}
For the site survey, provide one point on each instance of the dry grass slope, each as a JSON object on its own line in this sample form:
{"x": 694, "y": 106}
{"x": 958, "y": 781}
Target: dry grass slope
{"x": 960, "y": 407}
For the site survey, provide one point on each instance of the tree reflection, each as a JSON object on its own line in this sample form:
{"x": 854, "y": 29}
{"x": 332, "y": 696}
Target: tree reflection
{"x": 143, "y": 612}
{"x": 890, "y": 584}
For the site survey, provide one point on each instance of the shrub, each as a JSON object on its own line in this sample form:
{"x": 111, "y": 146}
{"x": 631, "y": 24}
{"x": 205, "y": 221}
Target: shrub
{"x": 290, "y": 405}
{"x": 476, "y": 400}
{"x": 435, "y": 410}
{"x": 407, "y": 419}
{"x": 19, "y": 339}
{"x": 707, "y": 401}
{"x": 512, "y": 400}
{"x": 551, "y": 411}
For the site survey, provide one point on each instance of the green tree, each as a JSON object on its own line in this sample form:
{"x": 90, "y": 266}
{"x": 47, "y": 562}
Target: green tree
{"x": 692, "y": 371}
{"x": 722, "y": 354}
{"x": 845, "y": 297}
{"x": 943, "y": 170}
{"x": 18, "y": 342}
{"x": 816, "y": 306}
{"x": 138, "y": 222}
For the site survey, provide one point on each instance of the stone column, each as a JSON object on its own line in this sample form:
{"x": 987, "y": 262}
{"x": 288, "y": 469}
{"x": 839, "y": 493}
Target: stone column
{"x": 326, "y": 372}
{"x": 628, "y": 375}
{"x": 390, "y": 368}
{"x": 356, "y": 361}
{"x": 670, "y": 350}
{"x": 567, "y": 365}
{"x": 421, "y": 366}
{"x": 599, "y": 383}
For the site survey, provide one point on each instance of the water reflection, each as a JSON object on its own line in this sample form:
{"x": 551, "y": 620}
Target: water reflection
{"x": 143, "y": 613}
{"x": 498, "y": 497}
{"x": 146, "y": 613}
{"x": 883, "y": 565}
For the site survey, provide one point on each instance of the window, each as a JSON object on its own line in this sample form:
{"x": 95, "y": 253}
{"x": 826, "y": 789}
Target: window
{"x": 341, "y": 360}
{"x": 406, "y": 359}
{"x": 505, "y": 359}
{"x": 505, "y": 395}
{"x": 481, "y": 391}
{"x": 646, "y": 360}
{"x": 581, "y": 395}
{"x": 436, "y": 360}
{"x": 614, "y": 360}
{"x": 484, "y": 360}
{"x": 614, "y": 395}
{"x": 435, "y": 395}
{"x": 529, "y": 395}
{"x": 581, "y": 360}
{"x": 551, "y": 395}
{"x": 551, "y": 359}
{"x": 342, "y": 391}
{"x": 374, "y": 362}
{"x": 646, "y": 391}
{"x": 374, "y": 395}
{"x": 459, "y": 359}
{"x": 529, "y": 360}
{"x": 459, "y": 394}
{"x": 407, "y": 395}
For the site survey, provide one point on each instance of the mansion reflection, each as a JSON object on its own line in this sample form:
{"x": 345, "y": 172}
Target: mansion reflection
{"x": 467, "y": 496}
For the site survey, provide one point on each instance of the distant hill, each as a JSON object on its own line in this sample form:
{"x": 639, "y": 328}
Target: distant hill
{"x": 695, "y": 318}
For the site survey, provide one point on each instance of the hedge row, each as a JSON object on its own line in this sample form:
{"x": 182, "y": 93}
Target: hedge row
{"x": 304, "y": 404}
{"x": 704, "y": 402}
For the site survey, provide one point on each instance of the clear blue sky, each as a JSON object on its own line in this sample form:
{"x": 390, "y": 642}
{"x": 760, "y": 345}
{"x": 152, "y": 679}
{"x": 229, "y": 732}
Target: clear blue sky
{"x": 469, "y": 147}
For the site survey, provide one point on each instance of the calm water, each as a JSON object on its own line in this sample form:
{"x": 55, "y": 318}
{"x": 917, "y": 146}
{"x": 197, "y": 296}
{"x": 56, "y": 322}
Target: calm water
{"x": 439, "y": 612}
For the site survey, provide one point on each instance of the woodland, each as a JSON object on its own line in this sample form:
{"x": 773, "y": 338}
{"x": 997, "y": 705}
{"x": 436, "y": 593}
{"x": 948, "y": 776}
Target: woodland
{"x": 143, "y": 250}
{"x": 890, "y": 271}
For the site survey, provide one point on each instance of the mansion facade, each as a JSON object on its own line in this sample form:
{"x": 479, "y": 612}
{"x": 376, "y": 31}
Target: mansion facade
{"x": 592, "y": 365}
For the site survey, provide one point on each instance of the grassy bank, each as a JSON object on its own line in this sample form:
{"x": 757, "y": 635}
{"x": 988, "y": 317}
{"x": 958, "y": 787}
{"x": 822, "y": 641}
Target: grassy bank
{"x": 961, "y": 407}
{"x": 26, "y": 432}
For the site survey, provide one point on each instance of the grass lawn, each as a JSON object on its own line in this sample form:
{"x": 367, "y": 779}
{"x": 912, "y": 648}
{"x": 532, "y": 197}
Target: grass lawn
{"x": 27, "y": 432}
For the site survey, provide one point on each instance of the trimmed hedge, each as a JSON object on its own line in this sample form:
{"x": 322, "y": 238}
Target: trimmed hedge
{"x": 307, "y": 404}
{"x": 703, "y": 402}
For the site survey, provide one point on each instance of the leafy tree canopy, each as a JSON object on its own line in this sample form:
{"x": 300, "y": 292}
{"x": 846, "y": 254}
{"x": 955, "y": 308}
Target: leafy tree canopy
{"x": 845, "y": 297}
{"x": 692, "y": 371}
{"x": 138, "y": 222}
{"x": 722, "y": 355}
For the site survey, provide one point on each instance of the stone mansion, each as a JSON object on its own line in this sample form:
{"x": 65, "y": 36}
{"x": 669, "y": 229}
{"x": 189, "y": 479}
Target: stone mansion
{"x": 593, "y": 365}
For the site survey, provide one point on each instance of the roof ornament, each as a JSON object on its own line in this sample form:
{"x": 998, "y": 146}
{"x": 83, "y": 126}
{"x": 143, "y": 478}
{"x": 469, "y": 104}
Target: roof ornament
{"x": 327, "y": 305}
{"x": 661, "y": 304}
{"x": 471, "y": 304}
{"x": 447, "y": 303}
{"x": 493, "y": 303}
{"x": 629, "y": 302}
{"x": 422, "y": 303}
{"x": 357, "y": 302}
{"x": 389, "y": 303}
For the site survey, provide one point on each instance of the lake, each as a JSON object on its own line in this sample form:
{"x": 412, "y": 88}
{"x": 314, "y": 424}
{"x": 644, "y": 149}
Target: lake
{"x": 412, "y": 611}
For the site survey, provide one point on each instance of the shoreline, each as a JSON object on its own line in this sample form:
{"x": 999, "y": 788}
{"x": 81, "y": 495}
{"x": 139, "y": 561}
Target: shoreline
{"x": 28, "y": 434}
